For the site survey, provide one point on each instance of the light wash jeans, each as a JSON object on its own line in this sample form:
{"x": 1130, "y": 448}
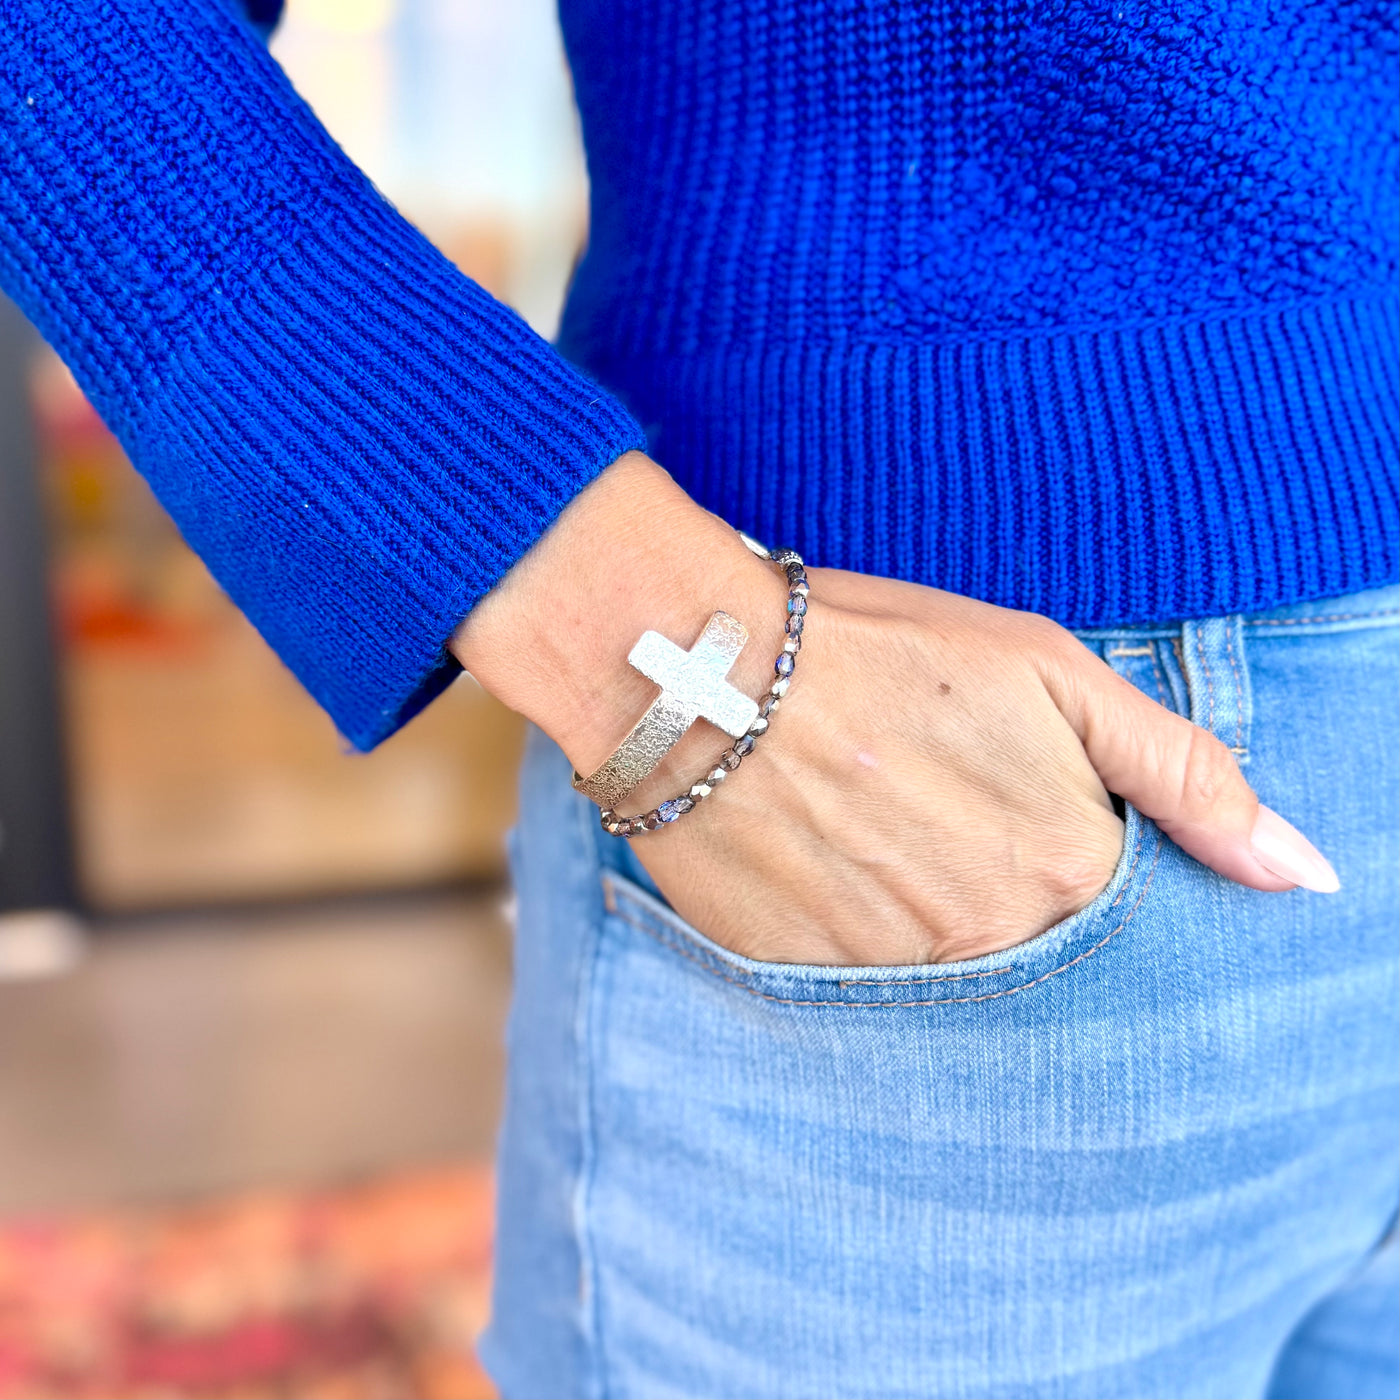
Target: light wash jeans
{"x": 1152, "y": 1152}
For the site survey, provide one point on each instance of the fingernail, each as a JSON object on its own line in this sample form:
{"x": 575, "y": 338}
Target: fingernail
{"x": 1284, "y": 851}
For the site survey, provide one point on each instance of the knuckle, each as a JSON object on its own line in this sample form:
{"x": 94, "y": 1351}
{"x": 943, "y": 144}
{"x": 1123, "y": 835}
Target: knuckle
{"x": 1058, "y": 655}
{"x": 1079, "y": 872}
{"x": 1050, "y": 636}
{"x": 1209, "y": 775}
{"x": 1077, "y": 882}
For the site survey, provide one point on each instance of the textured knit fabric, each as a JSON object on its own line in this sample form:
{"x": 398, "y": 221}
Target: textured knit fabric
{"x": 1087, "y": 309}
{"x": 357, "y": 440}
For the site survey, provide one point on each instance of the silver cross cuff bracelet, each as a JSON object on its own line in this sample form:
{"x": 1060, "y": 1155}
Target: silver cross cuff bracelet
{"x": 693, "y": 686}
{"x": 674, "y": 808}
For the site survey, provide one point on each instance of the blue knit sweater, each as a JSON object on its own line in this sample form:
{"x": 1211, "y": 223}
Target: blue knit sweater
{"x": 1087, "y": 308}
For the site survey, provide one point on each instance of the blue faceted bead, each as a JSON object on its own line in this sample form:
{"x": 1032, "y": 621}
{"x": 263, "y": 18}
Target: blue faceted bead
{"x": 676, "y": 807}
{"x": 797, "y": 604}
{"x": 783, "y": 665}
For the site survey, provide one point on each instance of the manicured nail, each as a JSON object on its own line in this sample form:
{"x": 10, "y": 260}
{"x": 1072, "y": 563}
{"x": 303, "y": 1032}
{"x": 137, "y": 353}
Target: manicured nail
{"x": 1284, "y": 851}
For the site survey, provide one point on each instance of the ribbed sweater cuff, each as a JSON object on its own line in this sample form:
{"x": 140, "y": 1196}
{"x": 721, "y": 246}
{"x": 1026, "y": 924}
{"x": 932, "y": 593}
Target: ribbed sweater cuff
{"x": 355, "y": 438}
{"x": 360, "y": 448}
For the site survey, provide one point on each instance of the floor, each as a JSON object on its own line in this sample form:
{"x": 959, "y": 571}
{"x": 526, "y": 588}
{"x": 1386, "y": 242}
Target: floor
{"x": 186, "y": 1056}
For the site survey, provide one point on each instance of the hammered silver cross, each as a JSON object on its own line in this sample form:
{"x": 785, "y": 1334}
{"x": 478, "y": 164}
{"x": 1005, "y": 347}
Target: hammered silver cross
{"x": 693, "y": 686}
{"x": 696, "y": 678}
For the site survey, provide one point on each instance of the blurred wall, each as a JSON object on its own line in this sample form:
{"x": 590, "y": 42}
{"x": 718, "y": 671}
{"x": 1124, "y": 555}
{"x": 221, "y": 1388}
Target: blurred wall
{"x": 35, "y": 841}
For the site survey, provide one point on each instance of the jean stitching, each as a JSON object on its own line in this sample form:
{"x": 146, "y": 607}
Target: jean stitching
{"x": 1210, "y": 680}
{"x": 1162, "y": 699}
{"x": 918, "y": 981}
{"x": 692, "y": 955}
{"x": 1128, "y": 878}
{"x": 1239, "y": 690}
{"x": 1160, "y": 677}
{"x": 1322, "y": 617}
{"x": 1162, "y": 631}
{"x": 613, "y": 905}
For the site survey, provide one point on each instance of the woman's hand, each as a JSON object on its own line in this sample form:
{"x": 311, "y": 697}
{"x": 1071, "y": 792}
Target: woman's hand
{"x": 935, "y": 784}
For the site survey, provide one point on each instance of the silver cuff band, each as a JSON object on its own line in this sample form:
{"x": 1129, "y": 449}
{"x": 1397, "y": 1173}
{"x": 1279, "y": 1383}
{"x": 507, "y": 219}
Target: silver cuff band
{"x": 693, "y": 686}
{"x": 674, "y": 808}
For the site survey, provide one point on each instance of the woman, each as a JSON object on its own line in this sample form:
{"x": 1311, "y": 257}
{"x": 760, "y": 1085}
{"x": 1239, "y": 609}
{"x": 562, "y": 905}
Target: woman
{"x": 972, "y": 1037}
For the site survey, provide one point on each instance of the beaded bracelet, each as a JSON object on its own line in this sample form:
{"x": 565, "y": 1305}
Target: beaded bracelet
{"x": 676, "y": 807}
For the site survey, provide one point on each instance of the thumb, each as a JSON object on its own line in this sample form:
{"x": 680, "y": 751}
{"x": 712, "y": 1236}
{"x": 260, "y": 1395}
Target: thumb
{"x": 1185, "y": 779}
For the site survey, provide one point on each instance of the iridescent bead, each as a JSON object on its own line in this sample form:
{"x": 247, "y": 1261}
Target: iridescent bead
{"x": 795, "y": 625}
{"x": 793, "y": 644}
{"x": 675, "y": 808}
{"x": 700, "y": 791}
{"x": 731, "y": 760}
{"x": 783, "y": 665}
{"x": 799, "y": 585}
{"x": 779, "y": 688}
{"x": 716, "y": 775}
{"x": 652, "y": 820}
{"x": 743, "y": 746}
{"x": 759, "y": 726}
{"x": 770, "y": 703}
{"x": 797, "y": 604}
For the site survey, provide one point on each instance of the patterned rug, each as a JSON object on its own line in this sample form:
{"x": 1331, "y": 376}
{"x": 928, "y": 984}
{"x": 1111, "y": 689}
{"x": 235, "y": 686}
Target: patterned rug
{"x": 374, "y": 1292}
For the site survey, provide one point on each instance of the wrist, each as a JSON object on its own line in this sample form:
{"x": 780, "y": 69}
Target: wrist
{"x": 632, "y": 551}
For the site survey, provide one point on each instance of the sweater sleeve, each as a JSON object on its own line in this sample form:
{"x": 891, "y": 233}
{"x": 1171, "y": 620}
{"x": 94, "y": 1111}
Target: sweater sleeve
{"x": 356, "y": 439}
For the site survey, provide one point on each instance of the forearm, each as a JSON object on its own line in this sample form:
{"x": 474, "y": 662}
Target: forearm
{"x": 631, "y": 552}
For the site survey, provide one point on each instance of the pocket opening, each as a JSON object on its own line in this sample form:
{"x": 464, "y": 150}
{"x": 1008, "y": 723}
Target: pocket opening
{"x": 995, "y": 975}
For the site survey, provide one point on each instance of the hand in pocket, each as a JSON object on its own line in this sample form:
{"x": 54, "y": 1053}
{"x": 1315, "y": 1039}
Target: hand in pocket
{"x": 936, "y": 788}
{"x": 935, "y": 785}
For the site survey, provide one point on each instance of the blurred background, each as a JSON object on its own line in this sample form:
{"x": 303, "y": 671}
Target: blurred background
{"x": 252, "y": 987}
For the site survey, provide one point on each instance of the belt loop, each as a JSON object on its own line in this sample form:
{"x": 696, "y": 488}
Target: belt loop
{"x": 1217, "y": 674}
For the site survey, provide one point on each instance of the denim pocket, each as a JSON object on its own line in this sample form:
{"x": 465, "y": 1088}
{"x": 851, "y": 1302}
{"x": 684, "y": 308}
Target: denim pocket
{"x": 633, "y": 910}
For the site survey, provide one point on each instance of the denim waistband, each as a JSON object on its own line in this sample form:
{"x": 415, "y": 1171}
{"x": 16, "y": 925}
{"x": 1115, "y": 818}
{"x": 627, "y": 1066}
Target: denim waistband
{"x": 1374, "y": 607}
